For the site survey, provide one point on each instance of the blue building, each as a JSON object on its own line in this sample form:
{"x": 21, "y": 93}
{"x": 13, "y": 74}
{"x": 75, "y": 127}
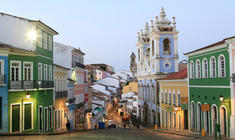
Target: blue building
{"x": 3, "y": 91}
{"x": 157, "y": 50}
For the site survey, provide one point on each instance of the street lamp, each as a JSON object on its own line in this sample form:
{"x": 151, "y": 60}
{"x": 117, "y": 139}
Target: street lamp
{"x": 221, "y": 98}
{"x": 67, "y": 103}
{"x": 32, "y": 35}
{"x": 27, "y": 95}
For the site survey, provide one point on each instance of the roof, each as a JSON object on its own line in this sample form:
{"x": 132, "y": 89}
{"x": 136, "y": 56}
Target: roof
{"x": 178, "y": 75}
{"x": 14, "y": 49}
{"x": 211, "y": 45}
{"x": 33, "y": 21}
{"x": 109, "y": 81}
{"x": 61, "y": 67}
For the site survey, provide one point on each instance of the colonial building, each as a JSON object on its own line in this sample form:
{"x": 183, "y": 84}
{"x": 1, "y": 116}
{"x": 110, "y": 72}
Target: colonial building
{"x": 174, "y": 101}
{"x": 211, "y": 89}
{"x": 157, "y": 51}
{"x": 3, "y": 89}
{"x": 60, "y": 98}
{"x": 30, "y": 67}
{"x": 133, "y": 66}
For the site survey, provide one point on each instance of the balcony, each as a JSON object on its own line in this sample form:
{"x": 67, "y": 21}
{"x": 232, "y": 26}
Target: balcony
{"x": 61, "y": 94}
{"x": 77, "y": 64}
{"x": 30, "y": 84}
{"x": 2, "y": 79}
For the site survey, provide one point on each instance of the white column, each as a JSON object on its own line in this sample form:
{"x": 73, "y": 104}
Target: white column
{"x": 175, "y": 44}
{"x": 157, "y": 45}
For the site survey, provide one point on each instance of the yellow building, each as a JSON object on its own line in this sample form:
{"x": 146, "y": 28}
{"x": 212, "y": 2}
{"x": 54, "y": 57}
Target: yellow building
{"x": 131, "y": 87}
{"x": 174, "y": 101}
{"x": 60, "y": 98}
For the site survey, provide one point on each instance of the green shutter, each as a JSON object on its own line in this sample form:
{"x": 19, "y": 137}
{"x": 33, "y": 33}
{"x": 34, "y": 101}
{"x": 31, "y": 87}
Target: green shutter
{"x": 27, "y": 116}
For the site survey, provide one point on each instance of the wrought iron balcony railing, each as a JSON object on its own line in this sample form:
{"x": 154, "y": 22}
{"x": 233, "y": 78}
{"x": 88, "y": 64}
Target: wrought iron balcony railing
{"x": 2, "y": 78}
{"x": 22, "y": 84}
{"x": 61, "y": 94}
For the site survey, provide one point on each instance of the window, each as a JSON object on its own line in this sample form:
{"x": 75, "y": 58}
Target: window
{"x": 152, "y": 47}
{"x": 45, "y": 118}
{"x": 1, "y": 113}
{"x": 45, "y": 72}
{"x": 28, "y": 71}
{"x": 45, "y": 40}
{"x": 173, "y": 97}
{"x": 165, "y": 97}
{"x": 1, "y": 66}
{"x": 191, "y": 70}
{"x": 170, "y": 120}
{"x": 166, "y": 119}
{"x": 50, "y": 122}
{"x": 169, "y": 97}
{"x": 50, "y": 73}
{"x": 162, "y": 118}
{"x": 39, "y": 71}
{"x": 50, "y": 42}
{"x": 221, "y": 66}
{"x": 39, "y": 38}
{"x": 204, "y": 68}
{"x": 166, "y": 47}
{"x": 139, "y": 54}
{"x": 198, "y": 69}
{"x": 174, "y": 117}
{"x": 40, "y": 118}
{"x": 162, "y": 97}
{"x": 212, "y": 67}
{"x": 178, "y": 98}
{"x": 15, "y": 71}
{"x": 28, "y": 117}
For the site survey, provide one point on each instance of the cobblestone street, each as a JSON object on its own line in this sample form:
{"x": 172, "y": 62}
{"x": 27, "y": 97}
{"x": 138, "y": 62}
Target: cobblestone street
{"x": 106, "y": 134}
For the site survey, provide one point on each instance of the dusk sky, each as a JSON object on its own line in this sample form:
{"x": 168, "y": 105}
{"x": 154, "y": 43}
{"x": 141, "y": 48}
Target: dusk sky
{"x": 106, "y": 30}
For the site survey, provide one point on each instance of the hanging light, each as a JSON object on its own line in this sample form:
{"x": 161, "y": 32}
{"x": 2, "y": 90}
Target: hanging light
{"x": 27, "y": 95}
{"x": 221, "y": 98}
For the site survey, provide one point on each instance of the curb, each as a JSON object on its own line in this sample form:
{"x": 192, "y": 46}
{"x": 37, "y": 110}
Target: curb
{"x": 199, "y": 137}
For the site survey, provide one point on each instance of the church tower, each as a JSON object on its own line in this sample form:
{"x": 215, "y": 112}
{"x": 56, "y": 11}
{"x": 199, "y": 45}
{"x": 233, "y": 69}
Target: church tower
{"x": 133, "y": 66}
{"x": 157, "y": 57}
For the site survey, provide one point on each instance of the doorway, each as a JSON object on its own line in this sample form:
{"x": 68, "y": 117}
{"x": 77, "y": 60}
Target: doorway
{"x": 199, "y": 118}
{"x": 15, "y": 125}
{"x": 214, "y": 118}
{"x": 40, "y": 117}
{"x": 193, "y": 116}
{"x": 185, "y": 119}
{"x": 206, "y": 121}
{"x": 223, "y": 121}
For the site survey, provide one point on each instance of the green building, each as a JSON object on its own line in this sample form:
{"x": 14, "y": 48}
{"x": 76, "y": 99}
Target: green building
{"x": 209, "y": 88}
{"x": 30, "y": 71}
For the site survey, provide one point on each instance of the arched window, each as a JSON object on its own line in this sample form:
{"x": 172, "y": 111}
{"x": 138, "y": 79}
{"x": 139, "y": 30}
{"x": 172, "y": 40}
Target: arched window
{"x": 166, "y": 47}
{"x": 152, "y": 47}
{"x": 173, "y": 97}
{"x": 212, "y": 67}
{"x": 204, "y": 68}
{"x": 165, "y": 97}
{"x": 221, "y": 66}
{"x": 169, "y": 97}
{"x": 191, "y": 70}
{"x": 162, "y": 97}
{"x": 198, "y": 69}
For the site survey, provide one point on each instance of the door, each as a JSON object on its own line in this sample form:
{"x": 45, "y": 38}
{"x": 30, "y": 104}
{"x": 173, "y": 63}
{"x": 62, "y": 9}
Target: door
{"x": 185, "y": 119}
{"x": 40, "y": 115}
{"x": 15, "y": 118}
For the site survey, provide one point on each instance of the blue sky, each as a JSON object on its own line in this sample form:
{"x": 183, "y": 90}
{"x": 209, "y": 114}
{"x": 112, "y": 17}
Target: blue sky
{"x": 106, "y": 30}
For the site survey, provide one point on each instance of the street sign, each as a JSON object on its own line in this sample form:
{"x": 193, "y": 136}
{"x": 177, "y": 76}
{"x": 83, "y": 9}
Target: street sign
{"x": 205, "y": 107}
{"x": 184, "y": 100}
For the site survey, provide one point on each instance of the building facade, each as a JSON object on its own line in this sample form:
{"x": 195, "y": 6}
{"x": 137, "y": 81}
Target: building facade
{"x": 157, "y": 57}
{"x": 4, "y": 90}
{"x": 174, "y": 101}
{"x": 210, "y": 69}
{"x": 60, "y": 98}
{"x": 30, "y": 72}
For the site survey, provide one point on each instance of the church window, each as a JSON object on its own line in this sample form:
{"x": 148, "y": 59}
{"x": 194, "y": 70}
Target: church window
{"x": 152, "y": 47}
{"x": 221, "y": 66}
{"x": 212, "y": 67}
{"x": 166, "y": 47}
{"x": 139, "y": 54}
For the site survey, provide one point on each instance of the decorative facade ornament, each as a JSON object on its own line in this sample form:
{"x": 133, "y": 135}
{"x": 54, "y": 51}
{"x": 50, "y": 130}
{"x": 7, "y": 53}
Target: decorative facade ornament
{"x": 152, "y": 26}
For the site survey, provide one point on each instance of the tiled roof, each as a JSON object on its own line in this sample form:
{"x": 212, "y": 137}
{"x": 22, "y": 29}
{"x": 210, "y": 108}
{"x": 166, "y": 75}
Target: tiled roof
{"x": 212, "y": 45}
{"x": 178, "y": 75}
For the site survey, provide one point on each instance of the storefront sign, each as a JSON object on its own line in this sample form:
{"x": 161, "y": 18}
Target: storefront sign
{"x": 205, "y": 107}
{"x": 184, "y": 100}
